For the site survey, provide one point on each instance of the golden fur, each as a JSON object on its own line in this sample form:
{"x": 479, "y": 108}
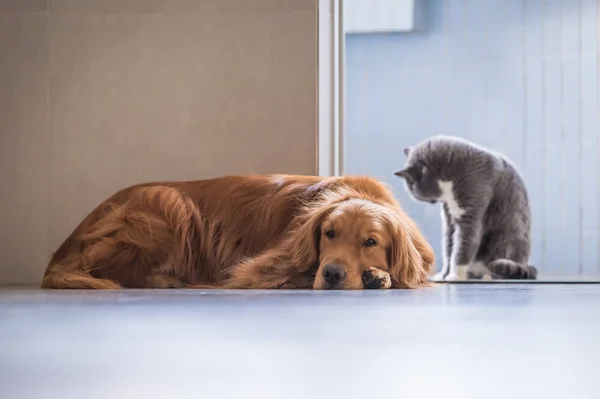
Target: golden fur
{"x": 242, "y": 232}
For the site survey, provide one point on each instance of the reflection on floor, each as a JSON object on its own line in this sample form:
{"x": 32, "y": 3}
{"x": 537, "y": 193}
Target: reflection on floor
{"x": 449, "y": 341}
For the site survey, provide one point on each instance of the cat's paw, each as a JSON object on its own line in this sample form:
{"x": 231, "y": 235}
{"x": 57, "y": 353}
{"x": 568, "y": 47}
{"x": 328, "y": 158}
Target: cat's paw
{"x": 453, "y": 277}
{"x": 438, "y": 277}
{"x": 376, "y": 279}
{"x": 460, "y": 274}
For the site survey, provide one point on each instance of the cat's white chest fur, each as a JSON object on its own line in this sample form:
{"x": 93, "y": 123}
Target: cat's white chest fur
{"x": 448, "y": 198}
{"x": 450, "y": 270}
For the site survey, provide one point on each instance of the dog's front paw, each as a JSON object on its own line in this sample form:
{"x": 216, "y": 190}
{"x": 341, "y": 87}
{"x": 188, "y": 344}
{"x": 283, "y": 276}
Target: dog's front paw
{"x": 376, "y": 279}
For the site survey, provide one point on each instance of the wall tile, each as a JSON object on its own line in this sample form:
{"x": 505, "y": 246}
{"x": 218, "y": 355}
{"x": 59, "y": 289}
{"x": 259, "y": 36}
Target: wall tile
{"x": 138, "y": 97}
{"x": 178, "y": 5}
{"x": 24, "y": 212}
{"x": 23, "y": 6}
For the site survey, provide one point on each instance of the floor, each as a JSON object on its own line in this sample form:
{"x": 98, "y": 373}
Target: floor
{"x": 450, "y": 341}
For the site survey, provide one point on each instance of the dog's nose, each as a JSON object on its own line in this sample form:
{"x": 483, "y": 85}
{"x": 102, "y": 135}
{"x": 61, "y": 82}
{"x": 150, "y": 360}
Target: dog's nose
{"x": 334, "y": 274}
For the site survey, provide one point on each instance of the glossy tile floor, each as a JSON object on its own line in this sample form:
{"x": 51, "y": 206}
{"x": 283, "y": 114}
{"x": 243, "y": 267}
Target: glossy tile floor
{"x": 451, "y": 341}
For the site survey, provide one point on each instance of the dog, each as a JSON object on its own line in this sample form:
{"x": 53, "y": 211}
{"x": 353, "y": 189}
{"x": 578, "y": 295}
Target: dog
{"x": 246, "y": 232}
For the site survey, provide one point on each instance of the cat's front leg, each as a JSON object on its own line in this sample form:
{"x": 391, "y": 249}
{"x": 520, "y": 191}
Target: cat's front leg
{"x": 447, "y": 238}
{"x": 465, "y": 239}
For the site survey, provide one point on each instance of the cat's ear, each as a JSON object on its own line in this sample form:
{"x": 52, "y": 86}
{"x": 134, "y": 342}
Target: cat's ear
{"x": 407, "y": 150}
{"x": 402, "y": 173}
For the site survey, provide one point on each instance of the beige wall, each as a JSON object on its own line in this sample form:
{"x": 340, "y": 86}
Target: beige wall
{"x": 99, "y": 94}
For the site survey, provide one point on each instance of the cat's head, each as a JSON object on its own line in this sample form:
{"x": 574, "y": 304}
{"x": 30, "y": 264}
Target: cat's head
{"x": 421, "y": 178}
{"x": 443, "y": 158}
{"x": 426, "y": 165}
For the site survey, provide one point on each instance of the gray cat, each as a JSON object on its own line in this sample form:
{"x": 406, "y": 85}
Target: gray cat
{"x": 485, "y": 208}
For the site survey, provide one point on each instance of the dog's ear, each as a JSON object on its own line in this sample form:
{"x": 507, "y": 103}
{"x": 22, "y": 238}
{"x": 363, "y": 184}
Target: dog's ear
{"x": 407, "y": 150}
{"x": 411, "y": 259}
{"x": 303, "y": 244}
{"x": 296, "y": 255}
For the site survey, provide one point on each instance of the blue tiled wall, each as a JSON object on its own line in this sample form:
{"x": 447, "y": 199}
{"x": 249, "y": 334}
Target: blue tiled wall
{"x": 518, "y": 76}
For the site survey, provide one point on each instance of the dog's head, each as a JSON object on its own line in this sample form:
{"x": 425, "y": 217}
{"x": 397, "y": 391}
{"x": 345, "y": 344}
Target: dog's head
{"x": 345, "y": 237}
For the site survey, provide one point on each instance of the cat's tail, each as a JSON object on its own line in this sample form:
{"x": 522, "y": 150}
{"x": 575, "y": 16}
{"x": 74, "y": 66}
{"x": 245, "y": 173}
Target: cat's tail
{"x": 509, "y": 270}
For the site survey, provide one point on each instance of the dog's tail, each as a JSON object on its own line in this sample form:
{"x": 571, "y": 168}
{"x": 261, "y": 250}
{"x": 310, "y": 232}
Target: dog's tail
{"x": 64, "y": 272}
{"x": 510, "y": 270}
{"x": 60, "y": 278}
{"x": 202, "y": 286}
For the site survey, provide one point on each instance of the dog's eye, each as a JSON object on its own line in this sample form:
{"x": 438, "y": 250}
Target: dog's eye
{"x": 370, "y": 242}
{"x": 330, "y": 234}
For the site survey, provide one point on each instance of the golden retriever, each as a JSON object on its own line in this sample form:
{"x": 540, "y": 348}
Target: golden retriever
{"x": 274, "y": 231}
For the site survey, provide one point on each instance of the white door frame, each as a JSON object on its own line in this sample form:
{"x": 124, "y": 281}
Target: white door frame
{"x": 331, "y": 43}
